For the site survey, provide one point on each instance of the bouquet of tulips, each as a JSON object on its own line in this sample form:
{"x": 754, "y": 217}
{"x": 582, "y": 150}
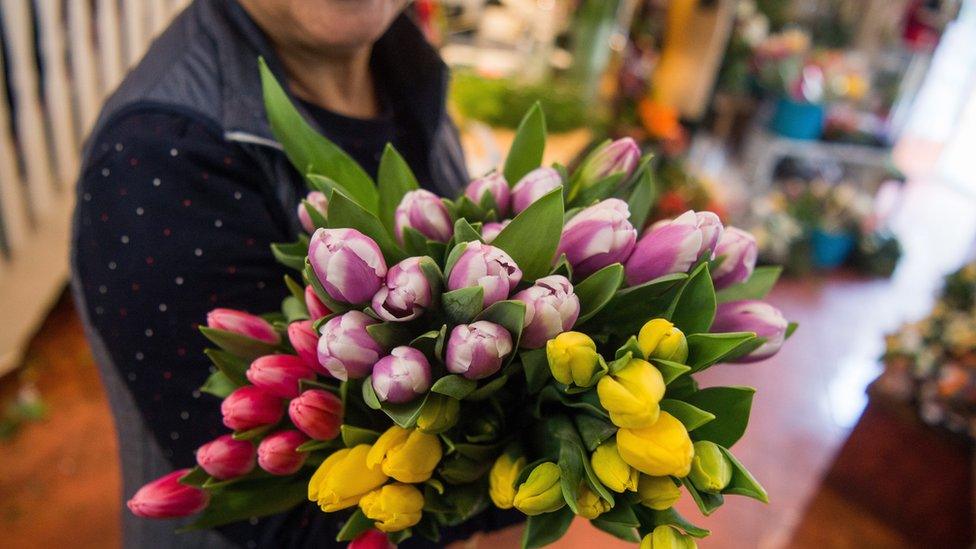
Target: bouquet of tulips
{"x": 528, "y": 345}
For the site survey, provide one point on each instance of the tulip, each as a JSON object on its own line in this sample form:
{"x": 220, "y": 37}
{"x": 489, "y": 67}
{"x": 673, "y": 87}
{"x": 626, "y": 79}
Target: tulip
{"x": 224, "y": 458}
{"x": 551, "y": 308}
{"x": 393, "y": 507}
{"x": 738, "y": 251}
{"x": 343, "y": 478}
{"x": 533, "y": 186}
{"x": 407, "y": 455}
{"x": 667, "y": 537}
{"x": 711, "y": 228}
{"x": 405, "y": 293}
{"x": 249, "y": 407}
{"x": 316, "y": 309}
{"x": 423, "y": 211}
{"x": 753, "y": 316}
{"x": 711, "y": 470}
{"x": 440, "y": 413}
{"x": 617, "y": 157}
{"x": 279, "y": 375}
{"x": 632, "y": 394}
{"x": 590, "y": 504}
{"x": 661, "y": 449}
{"x": 490, "y": 230}
{"x": 371, "y": 539}
{"x": 317, "y": 413}
{"x": 598, "y": 236}
{"x": 486, "y": 266}
{"x": 612, "y": 470}
{"x": 166, "y": 498}
{"x": 493, "y": 184}
{"x": 572, "y": 358}
{"x": 668, "y": 247}
{"x": 348, "y": 263}
{"x": 346, "y": 349}
{"x": 541, "y": 492}
{"x": 320, "y": 202}
{"x": 661, "y": 339}
{"x": 658, "y": 493}
{"x": 477, "y": 350}
{"x": 501, "y": 480}
{"x": 305, "y": 342}
{"x": 278, "y": 455}
{"x": 244, "y": 324}
{"x": 401, "y": 376}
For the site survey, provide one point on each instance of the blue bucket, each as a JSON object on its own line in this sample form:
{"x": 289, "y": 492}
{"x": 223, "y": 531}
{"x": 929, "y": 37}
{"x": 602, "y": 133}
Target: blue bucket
{"x": 830, "y": 250}
{"x": 797, "y": 120}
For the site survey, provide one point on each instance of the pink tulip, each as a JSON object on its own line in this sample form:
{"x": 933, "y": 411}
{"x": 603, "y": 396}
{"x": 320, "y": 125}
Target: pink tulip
{"x": 494, "y": 184}
{"x": 486, "y": 266}
{"x": 348, "y": 263}
{"x": 316, "y": 309}
{"x": 551, "y": 308}
{"x": 346, "y": 349}
{"x": 620, "y": 156}
{"x": 279, "y": 375}
{"x": 598, "y": 236}
{"x": 711, "y": 228}
{"x": 317, "y": 413}
{"x": 668, "y": 247}
{"x": 401, "y": 376}
{"x": 405, "y": 294}
{"x": 249, "y": 407}
{"x": 318, "y": 201}
{"x": 244, "y": 324}
{"x": 277, "y": 455}
{"x": 759, "y": 317}
{"x": 490, "y": 230}
{"x": 224, "y": 458}
{"x": 533, "y": 186}
{"x": 305, "y": 341}
{"x": 477, "y": 350}
{"x": 738, "y": 252}
{"x": 424, "y": 212}
{"x": 166, "y": 498}
{"x": 371, "y": 539}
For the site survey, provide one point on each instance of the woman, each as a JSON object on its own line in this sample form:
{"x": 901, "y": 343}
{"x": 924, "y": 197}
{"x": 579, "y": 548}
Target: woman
{"x": 183, "y": 189}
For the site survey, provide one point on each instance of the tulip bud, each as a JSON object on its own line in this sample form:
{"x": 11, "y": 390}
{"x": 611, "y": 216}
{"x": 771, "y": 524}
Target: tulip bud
{"x": 424, "y": 212}
{"x": 488, "y": 267}
{"x": 320, "y": 202}
{"x": 668, "y": 247}
{"x": 572, "y": 358}
{"x": 224, "y": 458}
{"x": 598, "y": 236}
{"x": 440, "y": 413}
{"x": 401, "y": 376}
{"x": 711, "y": 470}
{"x": 277, "y": 453}
{"x": 490, "y": 230}
{"x": 166, "y": 498}
{"x": 346, "y": 349}
{"x": 477, "y": 350}
{"x": 619, "y": 156}
{"x": 667, "y": 537}
{"x": 407, "y": 455}
{"x": 348, "y": 263}
{"x": 317, "y": 413}
{"x": 249, "y": 407}
{"x": 632, "y": 394}
{"x": 753, "y": 316}
{"x": 541, "y": 492}
{"x": 662, "y": 449}
{"x": 590, "y": 504}
{"x": 244, "y": 324}
{"x": 658, "y": 493}
{"x": 305, "y": 341}
{"x": 279, "y": 375}
{"x": 660, "y": 339}
{"x": 739, "y": 251}
{"x": 533, "y": 186}
{"x": 612, "y": 470}
{"x": 371, "y": 539}
{"x": 393, "y": 507}
{"x": 501, "y": 480}
{"x": 405, "y": 294}
{"x": 316, "y": 309}
{"x": 343, "y": 478}
{"x": 711, "y": 228}
{"x": 494, "y": 184}
{"x": 551, "y": 308}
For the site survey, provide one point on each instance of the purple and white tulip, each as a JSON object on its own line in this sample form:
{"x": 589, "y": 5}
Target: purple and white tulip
{"x": 533, "y": 186}
{"x": 305, "y": 342}
{"x": 225, "y": 458}
{"x": 739, "y": 250}
{"x": 316, "y": 309}
{"x": 477, "y": 350}
{"x": 279, "y": 375}
{"x": 551, "y": 308}
{"x": 753, "y": 316}
{"x": 345, "y": 348}
{"x": 598, "y": 236}
{"x": 278, "y": 455}
{"x": 668, "y": 247}
{"x": 166, "y": 497}
{"x": 318, "y": 201}
{"x": 486, "y": 266}
{"x": 249, "y": 407}
{"x": 619, "y": 156}
{"x": 424, "y": 212}
{"x": 245, "y": 324}
{"x": 348, "y": 263}
{"x": 494, "y": 184}
{"x": 401, "y": 376}
{"x": 405, "y": 294}
{"x": 491, "y": 229}
{"x": 711, "y": 229}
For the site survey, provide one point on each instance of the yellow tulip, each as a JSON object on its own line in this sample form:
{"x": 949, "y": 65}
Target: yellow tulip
{"x": 667, "y": 537}
{"x": 439, "y": 414}
{"x": 660, "y": 339}
{"x": 711, "y": 470}
{"x": 343, "y": 478}
{"x": 501, "y": 480}
{"x": 632, "y": 394}
{"x": 658, "y": 493}
{"x": 590, "y": 504}
{"x": 572, "y": 358}
{"x": 540, "y": 493}
{"x": 393, "y": 507}
{"x": 408, "y": 455}
{"x": 611, "y": 469}
{"x": 662, "y": 449}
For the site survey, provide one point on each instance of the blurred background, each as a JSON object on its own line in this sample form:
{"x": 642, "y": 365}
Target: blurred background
{"x": 841, "y": 132}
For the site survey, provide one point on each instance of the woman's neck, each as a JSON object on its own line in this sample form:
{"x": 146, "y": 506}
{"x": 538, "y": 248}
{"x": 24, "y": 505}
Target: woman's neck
{"x": 340, "y": 83}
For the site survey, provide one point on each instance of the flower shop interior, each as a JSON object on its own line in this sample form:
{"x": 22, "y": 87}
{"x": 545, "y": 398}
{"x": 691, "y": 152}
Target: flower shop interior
{"x": 839, "y": 132}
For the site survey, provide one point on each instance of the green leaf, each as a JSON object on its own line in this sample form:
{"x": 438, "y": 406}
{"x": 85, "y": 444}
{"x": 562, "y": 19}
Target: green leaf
{"x": 405, "y": 415}
{"x": 619, "y": 531}
{"x": 706, "y": 501}
{"x": 464, "y": 232}
{"x": 690, "y": 416}
{"x": 461, "y": 306}
{"x": 196, "y": 477}
{"x": 344, "y": 213}
{"x": 454, "y": 386}
{"x": 694, "y": 309}
{"x": 670, "y": 370}
{"x": 593, "y": 430}
{"x": 218, "y": 385}
{"x": 354, "y": 526}
{"x": 369, "y": 394}
{"x": 588, "y": 401}
{"x": 257, "y": 498}
{"x": 541, "y": 530}
{"x": 488, "y": 389}
{"x": 294, "y": 309}
{"x": 252, "y": 434}
{"x": 790, "y": 328}
{"x": 705, "y": 350}
{"x": 526, "y": 152}
{"x": 731, "y": 406}
{"x": 354, "y": 436}
{"x": 291, "y": 254}
{"x": 394, "y": 179}
{"x": 642, "y": 196}
{"x": 650, "y": 519}
{"x": 310, "y": 151}
{"x": 509, "y": 314}
{"x": 459, "y": 469}
{"x": 414, "y": 242}
{"x": 390, "y": 334}
{"x": 237, "y": 344}
{"x": 318, "y": 220}
{"x": 536, "y": 366}
{"x": 313, "y": 445}
{"x": 757, "y": 287}
{"x": 743, "y": 483}
{"x": 598, "y": 191}
{"x": 400, "y": 536}
{"x": 596, "y": 290}
{"x": 631, "y": 307}
{"x": 232, "y": 366}
{"x": 630, "y": 346}
{"x": 532, "y": 237}
{"x": 592, "y": 479}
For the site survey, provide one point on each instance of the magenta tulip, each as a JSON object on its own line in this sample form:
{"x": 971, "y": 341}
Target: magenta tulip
{"x": 598, "y": 236}
{"x": 493, "y": 184}
{"x": 277, "y": 454}
{"x": 486, "y": 266}
{"x": 316, "y": 309}
{"x": 371, "y": 539}
{"x": 279, "y": 375}
{"x": 318, "y": 201}
{"x": 551, "y": 308}
{"x": 668, "y": 247}
{"x": 405, "y": 294}
{"x": 244, "y": 324}
{"x": 533, "y": 186}
{"x": 305, "y": 341}
{"x": 737, "y": 251}
{"x": 348, "y": 263}
{"x": 759, "y": 317}
{"x": 424, "y": 212}
{"x": 711, "y": 228}
{"x": 249, "y": 407}
{"x": 317, "y": 413}
{"x": 166, "y": 498}
{"x": 477, "y": 350}
{"x": 616, "y": 157}
{"x": 401, "y": 376}
{"x": 346, "y": 349}
{"x": 490, "y": 230}
{"x": 225, "y": 458}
